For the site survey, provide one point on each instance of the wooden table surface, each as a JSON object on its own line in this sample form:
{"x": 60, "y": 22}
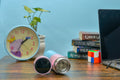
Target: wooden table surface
{"x": 10, "y": 69}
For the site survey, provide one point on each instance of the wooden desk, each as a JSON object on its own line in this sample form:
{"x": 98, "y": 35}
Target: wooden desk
{"x": 10, "y": 69}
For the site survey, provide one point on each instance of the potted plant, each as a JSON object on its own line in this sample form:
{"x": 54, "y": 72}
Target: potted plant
{"x": 33, "y": 19}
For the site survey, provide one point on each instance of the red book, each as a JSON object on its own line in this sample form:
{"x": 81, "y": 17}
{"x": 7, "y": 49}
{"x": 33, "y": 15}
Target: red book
{"x": 94, "y": 36}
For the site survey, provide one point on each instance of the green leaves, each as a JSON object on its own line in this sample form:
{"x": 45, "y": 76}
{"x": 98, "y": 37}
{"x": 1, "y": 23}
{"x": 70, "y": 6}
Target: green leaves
{"x": 28, "y": 9}
{"x": 36, "y": 9}
{"x": 35, "y": 21}
{"x": 27, "y": 16}
{"x": 40, "y": 9}
{"x": 32, "y": 19}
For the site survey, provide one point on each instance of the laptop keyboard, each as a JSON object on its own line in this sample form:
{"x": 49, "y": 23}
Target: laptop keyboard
{"x": 114, "y": 64}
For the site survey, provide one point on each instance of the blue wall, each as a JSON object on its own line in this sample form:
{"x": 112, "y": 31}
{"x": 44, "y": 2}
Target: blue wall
{"x": 66, "y": 20}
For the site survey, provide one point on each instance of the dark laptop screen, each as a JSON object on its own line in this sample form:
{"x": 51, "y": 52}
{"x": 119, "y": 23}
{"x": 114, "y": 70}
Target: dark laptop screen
{"x": 109, "y": 25}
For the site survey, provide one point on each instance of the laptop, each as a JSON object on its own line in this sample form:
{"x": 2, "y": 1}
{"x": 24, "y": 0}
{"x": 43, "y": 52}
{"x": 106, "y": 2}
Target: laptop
{"x": 109, "y": 28}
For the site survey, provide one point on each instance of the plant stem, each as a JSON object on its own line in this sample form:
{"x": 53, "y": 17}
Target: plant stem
{"x": 35, "y": 28}
{"x": 29, "y": 17}
{"x": 28, "y": 20}
{"x": 40, "y": 14}
{"x": 33, "y": 15}
{"x": 37, "y": 22}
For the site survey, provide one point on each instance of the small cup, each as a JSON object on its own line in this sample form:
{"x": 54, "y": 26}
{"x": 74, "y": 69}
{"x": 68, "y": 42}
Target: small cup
{"x": 42, "y": 65}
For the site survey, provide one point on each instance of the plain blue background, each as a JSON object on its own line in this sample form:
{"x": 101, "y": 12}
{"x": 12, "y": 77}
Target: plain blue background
{"x": 66, "y": 20}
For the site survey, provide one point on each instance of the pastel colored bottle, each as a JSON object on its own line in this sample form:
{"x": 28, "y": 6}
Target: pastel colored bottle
{"x": 42, "y": 65}
{"x": 60, "y": 64}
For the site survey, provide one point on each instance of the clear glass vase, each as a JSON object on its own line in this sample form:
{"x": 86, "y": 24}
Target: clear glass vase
{"x": 42, "y": 46}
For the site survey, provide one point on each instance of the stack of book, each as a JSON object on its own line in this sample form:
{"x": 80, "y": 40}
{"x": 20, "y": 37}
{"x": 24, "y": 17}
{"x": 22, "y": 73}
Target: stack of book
{"x": 87, "y": 41}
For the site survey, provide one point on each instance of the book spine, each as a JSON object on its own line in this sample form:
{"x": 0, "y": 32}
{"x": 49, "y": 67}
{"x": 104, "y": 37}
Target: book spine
{"x": 73, "y": 55}
{"x": 89, "y": 36}
{"x": 79, "y": 49}
{"x": 85, "y": 43}
{"x": 87, "y": 49}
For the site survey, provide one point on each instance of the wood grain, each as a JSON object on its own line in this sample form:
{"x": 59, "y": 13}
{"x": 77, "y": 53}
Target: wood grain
{"x": 10, "y": 69}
